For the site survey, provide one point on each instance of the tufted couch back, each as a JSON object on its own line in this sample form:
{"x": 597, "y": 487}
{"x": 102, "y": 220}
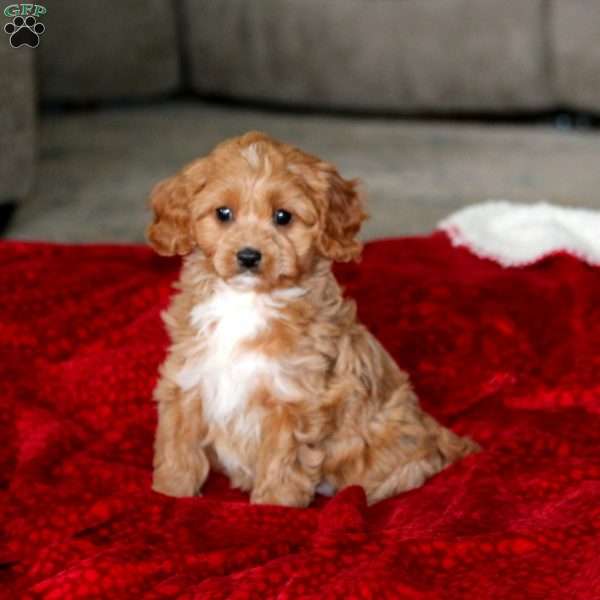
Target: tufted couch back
{"x": 389, "y": 55}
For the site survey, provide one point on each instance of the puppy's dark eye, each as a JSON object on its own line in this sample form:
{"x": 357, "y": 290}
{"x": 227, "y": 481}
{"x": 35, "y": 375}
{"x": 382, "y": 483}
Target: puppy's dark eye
{"x": 282, "y": 217}
{"x": 224, "y": 214}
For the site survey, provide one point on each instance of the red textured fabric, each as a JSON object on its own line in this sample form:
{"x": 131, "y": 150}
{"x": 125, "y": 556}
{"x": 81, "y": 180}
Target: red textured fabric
{"x": 508, "y": 356}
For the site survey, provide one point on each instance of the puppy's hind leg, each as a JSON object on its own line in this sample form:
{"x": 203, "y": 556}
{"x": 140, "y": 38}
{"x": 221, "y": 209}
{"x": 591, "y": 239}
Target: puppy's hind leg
{"x": 409, "y": 446}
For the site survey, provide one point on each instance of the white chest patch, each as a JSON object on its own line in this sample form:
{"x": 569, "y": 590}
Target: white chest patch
{"x": 227, "y": 372}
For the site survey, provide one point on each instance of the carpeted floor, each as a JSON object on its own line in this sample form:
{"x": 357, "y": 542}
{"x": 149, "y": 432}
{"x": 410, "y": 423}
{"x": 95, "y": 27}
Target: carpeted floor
{"x": 95, "y": 168}
{"x": 508, "y": 356}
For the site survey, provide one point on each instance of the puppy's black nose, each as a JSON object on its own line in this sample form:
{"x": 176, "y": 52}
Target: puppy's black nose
{"x": 248, "y": 257}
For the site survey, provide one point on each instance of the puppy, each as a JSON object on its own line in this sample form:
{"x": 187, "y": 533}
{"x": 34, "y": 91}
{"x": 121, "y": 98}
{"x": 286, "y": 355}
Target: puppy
{"x": 270, "y": 378}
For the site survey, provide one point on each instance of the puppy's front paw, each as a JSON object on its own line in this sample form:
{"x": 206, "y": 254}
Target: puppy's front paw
{"x": 282, "y": 497}
{"x": 178, "y": 484}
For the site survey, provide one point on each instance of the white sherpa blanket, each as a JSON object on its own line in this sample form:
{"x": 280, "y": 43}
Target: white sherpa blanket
{"x": 520, "y": 234}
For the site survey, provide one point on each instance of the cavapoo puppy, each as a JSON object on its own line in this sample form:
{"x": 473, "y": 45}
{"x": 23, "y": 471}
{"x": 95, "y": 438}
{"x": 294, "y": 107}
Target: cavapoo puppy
{"x": 270, "y": 378}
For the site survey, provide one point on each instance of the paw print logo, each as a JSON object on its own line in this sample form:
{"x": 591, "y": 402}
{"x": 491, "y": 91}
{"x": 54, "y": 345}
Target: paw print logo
{"x": 24, "y": 32}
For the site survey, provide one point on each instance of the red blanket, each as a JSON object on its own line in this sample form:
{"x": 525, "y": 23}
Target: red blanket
{"x": 510, "y": 357}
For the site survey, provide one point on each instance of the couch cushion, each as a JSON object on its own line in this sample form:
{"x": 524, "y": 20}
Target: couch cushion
{"x": 98, "y": 51}
{"x": 16, "y": 121}
{"x": 576, "y": 43}
{"x": 414, "y": 173}
{"x": 406, "y": 55}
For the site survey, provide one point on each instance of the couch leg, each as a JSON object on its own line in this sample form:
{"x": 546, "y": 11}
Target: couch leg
{"x": 7, "y": 210}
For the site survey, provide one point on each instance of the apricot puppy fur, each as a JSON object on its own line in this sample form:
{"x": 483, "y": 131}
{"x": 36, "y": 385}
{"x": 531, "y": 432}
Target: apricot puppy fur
{"x": 270, "y": 378}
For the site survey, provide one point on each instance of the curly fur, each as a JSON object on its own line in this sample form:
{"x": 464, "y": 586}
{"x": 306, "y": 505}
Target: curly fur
{"x": 270, "y": 378}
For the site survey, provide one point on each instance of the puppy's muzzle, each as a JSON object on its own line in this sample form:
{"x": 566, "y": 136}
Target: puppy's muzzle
{"x": 249, "y": 258}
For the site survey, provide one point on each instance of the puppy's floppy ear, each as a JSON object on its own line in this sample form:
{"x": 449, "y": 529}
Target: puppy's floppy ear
{"x": 170, "y": 232}
{"x": 343, "y": 217}
{"x": 340, "y": 207}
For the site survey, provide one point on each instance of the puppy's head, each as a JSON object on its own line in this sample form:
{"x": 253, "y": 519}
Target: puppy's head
{"x": 260, "y": 211}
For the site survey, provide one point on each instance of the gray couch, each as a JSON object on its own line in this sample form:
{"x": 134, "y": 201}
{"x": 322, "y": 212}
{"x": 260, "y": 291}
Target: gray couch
{"x": 377, "y": 56}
